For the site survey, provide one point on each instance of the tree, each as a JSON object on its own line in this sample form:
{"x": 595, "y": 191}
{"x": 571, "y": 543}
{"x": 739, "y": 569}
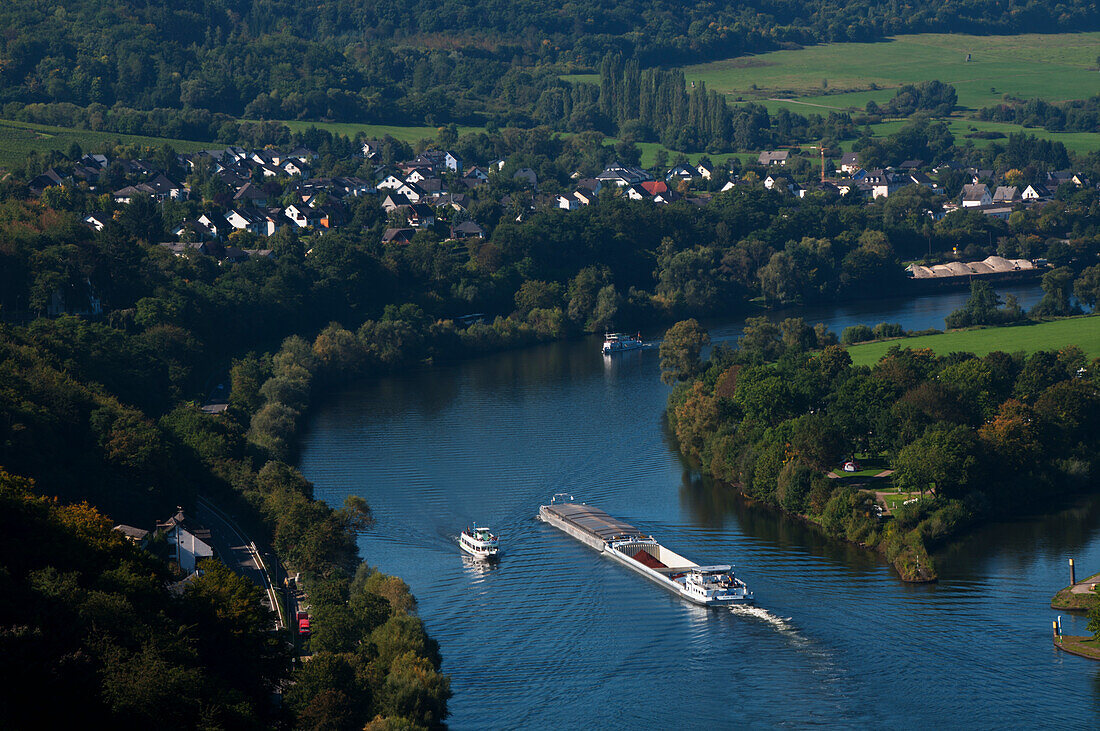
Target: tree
{"x": 797, "y": 334}
{"x": 980, "y": 308}
{"x": 760, "y": 339}
{"x": 247, "y": 376}
{"x": 1094, "y": 608}
{"x": 1056, "y": 284}
{"x": 1087, "y": 286}
{"x": 943, "y": 457}
{"x": 1013, "y": 437}
{"x": 857, "y": 334}
{"x": 680, "y": 350}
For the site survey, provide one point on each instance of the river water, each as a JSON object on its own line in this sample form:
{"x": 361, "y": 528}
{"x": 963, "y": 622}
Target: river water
{"x": 557, "y": 636}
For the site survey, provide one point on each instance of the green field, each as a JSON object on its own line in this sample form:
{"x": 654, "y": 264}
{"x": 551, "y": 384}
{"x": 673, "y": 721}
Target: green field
{"x": 1083, "y": 332}
{"x": 1080, "y": 142}
{"x": 376, "y": 131}
{"x": 19, "y": 138}
{"x": 1055, "y": 67}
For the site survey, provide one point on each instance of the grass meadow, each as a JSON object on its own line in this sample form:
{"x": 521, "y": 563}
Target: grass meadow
{"x": 845, "y": 75}
{"x": 1084, "y": 332}
{"x": 19, "y": 138}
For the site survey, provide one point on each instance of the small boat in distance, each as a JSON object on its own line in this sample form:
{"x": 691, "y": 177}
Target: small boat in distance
{"x": 618, "y": 342}
{"x": 479, "y": 542}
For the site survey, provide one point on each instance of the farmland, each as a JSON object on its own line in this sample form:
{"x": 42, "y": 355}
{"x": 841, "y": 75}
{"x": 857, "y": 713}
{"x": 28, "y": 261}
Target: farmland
{"x": 848, "y": 75}
{"x": 1083, "y": 332}
{"x": 410, "y": 135}
{"x": 17, "y": 139}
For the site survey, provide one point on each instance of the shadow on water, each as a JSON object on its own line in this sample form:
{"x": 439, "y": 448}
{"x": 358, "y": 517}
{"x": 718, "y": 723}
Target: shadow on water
{"x": 712, "y": 504}
{"x": 1065, "y": 533}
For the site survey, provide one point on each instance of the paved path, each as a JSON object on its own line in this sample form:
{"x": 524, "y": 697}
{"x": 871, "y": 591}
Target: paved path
{"x": 239, "y": 553}
{"x": 1085, "y": 586}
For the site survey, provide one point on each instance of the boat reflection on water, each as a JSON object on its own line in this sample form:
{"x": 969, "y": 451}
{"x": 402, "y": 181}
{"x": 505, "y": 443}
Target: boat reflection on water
{"x": 479, "y": 567}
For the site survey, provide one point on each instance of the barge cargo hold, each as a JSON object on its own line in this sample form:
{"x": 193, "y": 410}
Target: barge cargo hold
{"x": 707, "y": 585}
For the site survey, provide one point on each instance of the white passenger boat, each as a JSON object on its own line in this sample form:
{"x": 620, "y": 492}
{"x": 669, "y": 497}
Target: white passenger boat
{"x": 479, "y": 542}
{"x": 618, "y": 342}
{"x": 711, "y": 586}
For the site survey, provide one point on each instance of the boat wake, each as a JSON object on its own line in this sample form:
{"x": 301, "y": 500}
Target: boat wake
{"x": 779, "y": 623}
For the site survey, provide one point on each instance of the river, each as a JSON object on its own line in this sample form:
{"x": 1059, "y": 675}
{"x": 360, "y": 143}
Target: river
{"x": 556, "y": 636}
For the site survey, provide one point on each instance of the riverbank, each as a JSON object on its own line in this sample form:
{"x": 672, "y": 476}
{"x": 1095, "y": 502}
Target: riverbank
{"x": 1082, "y": 646}
{"x": 775, "y": 418}
{"x": 1077, "y": 597}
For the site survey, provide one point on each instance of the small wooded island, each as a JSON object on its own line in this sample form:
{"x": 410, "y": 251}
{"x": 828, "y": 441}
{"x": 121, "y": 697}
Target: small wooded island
{"x": 951, "y": 440}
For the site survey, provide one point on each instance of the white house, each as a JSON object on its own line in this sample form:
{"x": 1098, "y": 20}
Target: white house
{"x": 188, "y": 543}
{"x": 98, "y": 221}
{"x": 585, "y": 196}
{"x": 214, "y": 227}
{"x": 567, "y": 203}
{"x": 976, "y": 195}
{"x": 390, "y": 182}
{"x": 295, "y": 167}
{"x": 412, "y": 191}
{"x": 303, "y": 216}
{"x": 252, "y": 220}
{"x": 849, "y": 163}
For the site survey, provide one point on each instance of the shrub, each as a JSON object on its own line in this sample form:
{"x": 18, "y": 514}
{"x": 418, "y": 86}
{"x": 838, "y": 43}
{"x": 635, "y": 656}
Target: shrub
{"x": 856, "y": 334}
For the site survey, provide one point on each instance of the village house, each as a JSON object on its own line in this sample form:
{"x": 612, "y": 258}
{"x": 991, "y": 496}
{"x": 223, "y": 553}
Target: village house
{"x": 774, "y": 157}
{"x": 138, "y": 536}
{"x": 919, "y": 178}
{"x": 191, "y": 230}
{"x": 622, "y": 175}
{"x": 250, "y": 195}
{"x": 215, "y": 228}
{"x": 1007, "y": 194}
{"x": 654, "y": 187}
{"x": 467, "y": 230}
{"x": 585, "y": 196}
{"x": 705, "y": 170}
{"x": 187, "y": 542}
{"x": 130, "y": 192}
{"x": 882, "y": 182}
{"x": 252, "y": 220}
{"x": 1035, "y": 193}
{"x": 528, "y": 177}
{"x": 849, "y": 163}
{"x": 295, "y": 167}
{"x": 390, "y": 182}
{"x": 419, "y": 215}
{"x": 412, "y": 191}
{"x": 303, "y": 216}
{"x": 97, "y": 221}
{"x": 976, "y": 194}
{"x": 567, "y": 203}
{"x": 393, "y": 201}
{"x": 456, "y": 201}
{"x": 398, "y": 235}
{"x": 681, "y": 172}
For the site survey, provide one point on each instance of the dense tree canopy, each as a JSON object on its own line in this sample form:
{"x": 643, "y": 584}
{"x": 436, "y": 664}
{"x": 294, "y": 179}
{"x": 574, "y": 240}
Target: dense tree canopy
{"x": 980, "y": 436}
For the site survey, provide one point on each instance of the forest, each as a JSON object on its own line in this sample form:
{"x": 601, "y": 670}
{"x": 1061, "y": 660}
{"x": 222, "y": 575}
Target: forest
{"x": 1078, "y": 115}
{"x": 429, "y": 63}
{"x": 968, "y": 439}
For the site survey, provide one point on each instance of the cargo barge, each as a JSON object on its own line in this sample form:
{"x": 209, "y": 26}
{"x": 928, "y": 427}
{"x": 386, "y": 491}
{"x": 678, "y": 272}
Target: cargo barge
{"x": 710, "y": 586}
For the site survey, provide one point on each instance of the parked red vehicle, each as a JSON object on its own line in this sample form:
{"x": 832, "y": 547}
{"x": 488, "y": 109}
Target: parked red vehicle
{"x": 303, "y": 623}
